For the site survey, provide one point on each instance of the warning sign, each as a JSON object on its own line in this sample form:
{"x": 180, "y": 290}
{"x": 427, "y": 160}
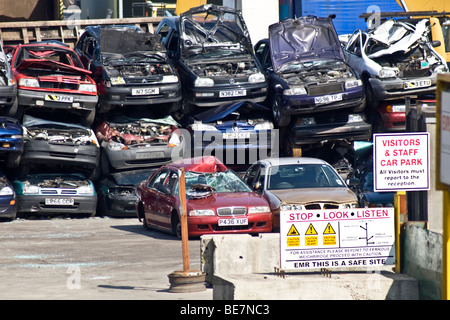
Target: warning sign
{"x": 401, "y": 162}
{"x": 362, "y": 237}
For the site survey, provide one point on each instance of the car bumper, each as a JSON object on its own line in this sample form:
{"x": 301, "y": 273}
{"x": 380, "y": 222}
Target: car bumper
{"x": 139, "y": 157}
{"x": 7, "y": 95}
{"x": 198, "y": 226}
{"x": 44, "y": 153}
{"x": 315, "y": 134}
{"x": 210, "y": 97}
{"x": 36, "y": 204}
{"x": 395, "y": 88}
{"x": 30, "y": 98}
{"x": 294, "y": 105}
{"x": 8, "y": 210}
{"x": 119, "y": 95}
{"x": 120, "y": 206}
{"x": 395, "y": 121}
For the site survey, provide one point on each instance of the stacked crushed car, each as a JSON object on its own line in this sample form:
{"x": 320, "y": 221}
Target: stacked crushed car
{"x": 109, "y": 127}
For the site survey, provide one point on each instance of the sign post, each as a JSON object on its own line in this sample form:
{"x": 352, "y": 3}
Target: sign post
{"x": 443, "y": 170}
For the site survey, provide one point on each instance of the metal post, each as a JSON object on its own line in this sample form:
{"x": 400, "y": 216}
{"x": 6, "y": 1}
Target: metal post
{"x": 446, "y": 246}
{"x": 184, "y": 226}
{"x": 397, "y": 206}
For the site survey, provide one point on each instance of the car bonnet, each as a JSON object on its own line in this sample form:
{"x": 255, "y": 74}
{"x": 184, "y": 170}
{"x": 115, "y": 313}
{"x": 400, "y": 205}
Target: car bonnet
{"x": 303, "y": 39}
{"x": 218, "y": 113}
{"x": 311, "y": 195}
{"x": 126, "y": 41}
{"x": 197, "y": 35}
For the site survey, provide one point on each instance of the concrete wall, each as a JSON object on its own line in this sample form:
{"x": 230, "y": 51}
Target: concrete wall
{"x": 422, "y": 259}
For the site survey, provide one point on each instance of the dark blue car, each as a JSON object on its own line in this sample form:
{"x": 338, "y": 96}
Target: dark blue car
{"x": 305, "y": 67}
{"x": 11, "y": 141}
{"x": 8, "y": 206}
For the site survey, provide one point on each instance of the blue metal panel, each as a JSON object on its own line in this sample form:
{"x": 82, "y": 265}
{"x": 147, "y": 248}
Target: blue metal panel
{"x": 347, "y": 11}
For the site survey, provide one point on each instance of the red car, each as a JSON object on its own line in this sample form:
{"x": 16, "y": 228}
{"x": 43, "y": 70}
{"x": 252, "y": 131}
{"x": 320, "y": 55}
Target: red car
{"x": 51, "y": 76}
{"x": 217, "y": 200}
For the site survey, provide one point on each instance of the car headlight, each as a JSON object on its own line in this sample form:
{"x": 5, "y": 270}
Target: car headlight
{"x": 261, "y": 209}
{"x": 29, "y": 82}
{"x": 348, "y": 205}
{"x": 306, "y": 121}
{"x": 353, "y": 83}
{"x": 204, "y": 82}
{"x": 256, "y": 78}
{"x": 174, "y": 140}
{"x": 117, "y": 81}
{"x": 88, "y": 88}
{"x": 30, "y": 189}
{"x": 169, "y": 79}
{"x": 388, "y": 73}
{"x": 396, "y": 108}
{"x": 295, "y": 91}
{"x": 85, "y": 190}
{"x": 200, "y": 126}
{"x": 264, "y": 126}
{"x": 439, "y": 69}
{"x": 292, "y": 207}
{"x": 202, "y": 212}
{"x": 116, "y": 146}
{"x": 6, "y": 191}
{"x": 355, "y": 118}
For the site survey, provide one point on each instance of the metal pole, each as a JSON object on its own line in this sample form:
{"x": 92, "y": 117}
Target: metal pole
{"x": 397, "y": 206}
{"x": 183, "y": 220}
{"x": 446, "y": 246}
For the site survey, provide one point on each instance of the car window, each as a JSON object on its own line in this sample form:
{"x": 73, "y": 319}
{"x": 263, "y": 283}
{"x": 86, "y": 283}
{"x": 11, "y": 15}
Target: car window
{"x": 163, "y": 31}
{"x": 158, "y": 179}
{"x": 295, "y": 176}
{"x": 251, "y": 174}
{"x": 259, "y": 53}
{"x": 226, "y": 181}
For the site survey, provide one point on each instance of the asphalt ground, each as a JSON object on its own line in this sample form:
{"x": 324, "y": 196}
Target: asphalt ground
{"x": 89, "y": 259}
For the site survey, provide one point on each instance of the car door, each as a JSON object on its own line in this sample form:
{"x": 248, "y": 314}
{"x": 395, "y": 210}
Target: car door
{"x": 167, "y": 201}
{"x": 150, "y": 196}
{"x": 354, "y": 52}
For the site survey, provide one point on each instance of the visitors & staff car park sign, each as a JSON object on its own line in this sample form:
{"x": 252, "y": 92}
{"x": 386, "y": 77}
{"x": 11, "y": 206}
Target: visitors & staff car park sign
{"x": 343, "y": 238}
{"x": 401, "y": 162}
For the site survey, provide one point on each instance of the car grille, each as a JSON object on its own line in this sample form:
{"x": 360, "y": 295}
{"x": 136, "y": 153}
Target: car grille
{"x": 331, "y": 118}
{"x": 313, "y": 206}
{"x": 321, "y": 89}
{"x": 59, "y": 82}
{"x": 232, "y": 211}
{"x": 58, "y": 191}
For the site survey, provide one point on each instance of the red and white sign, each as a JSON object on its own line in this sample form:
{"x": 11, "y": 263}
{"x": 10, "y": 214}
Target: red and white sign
{"x": 342, "y": 238}
{"x": 401, "y": 162}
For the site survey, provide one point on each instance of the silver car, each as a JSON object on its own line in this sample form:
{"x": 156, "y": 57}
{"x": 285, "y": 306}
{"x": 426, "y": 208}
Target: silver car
{"x": 299, "y": 184}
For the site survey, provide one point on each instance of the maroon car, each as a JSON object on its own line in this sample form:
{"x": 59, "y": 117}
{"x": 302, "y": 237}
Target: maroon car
{"x": 218, "y": 201}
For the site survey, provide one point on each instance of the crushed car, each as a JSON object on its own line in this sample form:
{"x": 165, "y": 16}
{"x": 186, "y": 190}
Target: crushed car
{"x": 117, "y": 193}
{"x": 306, "y": 69}
{"x": 395, "y": 59}
{"x": 8, "y": 84}
{"x": 211, "y": 48}
{"x": 299, "y": 184}
{"x": 11, "y": 141}
{"x": 235, "y": 133}
{"x": 131, "y": 143}
{"x": 129, "y": 66}
{"x": 316, "y": 129}
{"x": 217, "y": 200}
{"x": 50, "y": 76}
{"x": 8, "y": 203}
{"x": 54, "y": 144}
{"x": 55, "y": 194}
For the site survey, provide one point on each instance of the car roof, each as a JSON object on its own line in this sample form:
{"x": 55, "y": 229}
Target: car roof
{"x": 206, "y": 164}
{"x": 291, "y": 160}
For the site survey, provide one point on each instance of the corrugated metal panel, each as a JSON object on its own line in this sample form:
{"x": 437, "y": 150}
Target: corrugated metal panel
{"x": 347, "y": 11}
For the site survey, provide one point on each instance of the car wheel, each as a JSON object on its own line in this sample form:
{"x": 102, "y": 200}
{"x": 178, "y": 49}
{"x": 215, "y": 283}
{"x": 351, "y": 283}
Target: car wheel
{"x": 280, "y": 119}
{"x": 13, "y": 160}
{"x": 370, "y": 97}
{"x": 15, "y": 110}
{"x": 176, "y": 225}
{"x": 88, "y": 118}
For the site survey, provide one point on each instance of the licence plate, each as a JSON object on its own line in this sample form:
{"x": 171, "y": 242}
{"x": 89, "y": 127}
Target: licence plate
{"x": 149, "y": 155}
{"x": 144, "y": 91}
{"x": 236, "y": 135}
{"x": 417, "y": 84}
{"x": 232, "y": 93}
{"x": 59, "y": 202}
{"x": 58, "y": 98}
{"x": 233, "y": 222}
{"x": 328, "y": 99}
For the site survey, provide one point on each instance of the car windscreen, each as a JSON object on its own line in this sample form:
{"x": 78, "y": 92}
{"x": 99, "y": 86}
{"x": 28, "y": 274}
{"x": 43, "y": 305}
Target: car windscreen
{"x": 294, "y": 176}
{"x": 226, "y": 181}
{"x": 55, "y": 54}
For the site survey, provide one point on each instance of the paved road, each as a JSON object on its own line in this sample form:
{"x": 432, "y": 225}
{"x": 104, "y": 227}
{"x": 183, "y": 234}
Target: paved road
{"x": 95, "y": 258}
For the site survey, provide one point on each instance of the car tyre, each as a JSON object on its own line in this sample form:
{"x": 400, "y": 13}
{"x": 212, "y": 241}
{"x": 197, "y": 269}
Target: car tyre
{"x": 176, "y": 225}
{"x": 14, "y": 110}
{"x": 88, "y": 118}
{"x": 280, "y": 119}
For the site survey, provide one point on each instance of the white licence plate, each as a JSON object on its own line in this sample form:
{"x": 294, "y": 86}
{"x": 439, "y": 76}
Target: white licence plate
{"x": 417, "y": 84}
{"x": 236, "y": 135}
{"x": 58, "y": 98}
{"x": 232, "y": 93}
{"x": 233, "y": 222}
{"x": 328, "y": 98}
{"x": 149, "y": 155}
{"x": 59, "y": 202}
{"x": 144, "y": 91}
